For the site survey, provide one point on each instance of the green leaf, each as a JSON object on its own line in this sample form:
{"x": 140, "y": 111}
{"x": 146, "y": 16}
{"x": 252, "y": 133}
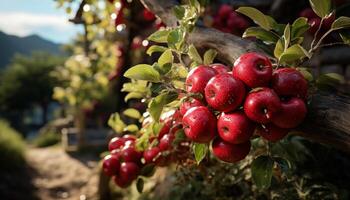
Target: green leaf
{"x": 299, "y": 27}
{"x": 341, "y": 22}
{"x": 139, "y": 185}
{"x": 297, "y": 40}
{"x": 345, "y": 37}
{"x": 131, "y": 128}
{"x": 175, "y": 38}
{"x": 279, "y": 28}
{"x": 155, "y": 48}
{"x": 321, "y": 7}
{"x": 307, "y": 75}
{"x": 261, "y": 34}
{"x": 279, "y": 48}
{"x": 195, "y": 4}
{"x": 157, "y": 88}
{"x": 143, "y": 72}
{"x": 156, "y": 128}
{"x": 133, "y": 95}
{"x": 209, "y": 56}
{"x": 286, "y": 36}
{"x": 179, "y": 12}
{"x": 148, "y": 170}
{"x": 283, "y": 164}
{"x": 194, "y": 55}
{"x": 200, "y": 150}
{"x": 293, "y": 53}
{"x": 160, "y": 36}
{"x": 179, "y": 136}
{"x": 180, "y": 71}
{"x": 262, "y": 171}
{"x": 330, "y": 79}
{"x": 264, "y": 21}
{"x": 156, "y": 105}
{"x": 135, "y": 86}
{"x": 132, "y": 113}
{"x": 116, "y": 123}
{"x": 142, "y": 143}
{"x": 166, "y": 57}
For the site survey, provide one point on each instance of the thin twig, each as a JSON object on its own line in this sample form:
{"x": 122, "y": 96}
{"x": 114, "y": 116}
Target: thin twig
{"x": 320, "y": 41}
{"x": 316, "y": 33}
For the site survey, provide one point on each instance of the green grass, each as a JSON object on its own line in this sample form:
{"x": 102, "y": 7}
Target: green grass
{"x": 47, "y": 139}
{"x": 12, "y": 148}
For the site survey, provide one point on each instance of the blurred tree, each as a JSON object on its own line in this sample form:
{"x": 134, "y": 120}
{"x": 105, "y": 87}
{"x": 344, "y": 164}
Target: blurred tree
{"x": 27, "y": 82}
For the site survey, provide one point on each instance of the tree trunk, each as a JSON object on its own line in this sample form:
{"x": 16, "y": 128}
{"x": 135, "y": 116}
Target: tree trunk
{"x": 104, "y": 191}
{"x": 79, "y": 121}
{"x": 328, "y": 119}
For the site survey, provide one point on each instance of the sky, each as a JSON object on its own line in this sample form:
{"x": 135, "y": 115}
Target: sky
{"x": 41, "y": 17}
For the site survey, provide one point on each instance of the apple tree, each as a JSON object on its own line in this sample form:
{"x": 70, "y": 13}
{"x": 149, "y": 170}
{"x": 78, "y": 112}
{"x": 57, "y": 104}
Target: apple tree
{"x": 205, "y": 117}
{"x": 199, "y": 111}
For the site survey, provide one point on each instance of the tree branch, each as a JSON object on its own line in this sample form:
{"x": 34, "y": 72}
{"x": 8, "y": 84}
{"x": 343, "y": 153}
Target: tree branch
{"x": 328, "y": 119}
{"x": 228, "y": 46}
{"x": 78, "y": 15}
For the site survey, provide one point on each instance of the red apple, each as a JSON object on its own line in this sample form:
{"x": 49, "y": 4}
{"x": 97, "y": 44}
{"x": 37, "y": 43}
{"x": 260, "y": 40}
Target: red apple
{"x": 314, "y": 24}
{"x": 289, "y": 82}
{"x": 165, "y": 129}
{"x": 116, "y": 153}
{"x": 199, "y": 124}
{"x": 153, "y": 155}
{"x": 308, "y": 13}
{"x": 224, "y": 11}
{"x": 189, "y": 103}
{"x": 148, "y": 15}
{"x": 166, "y": 142}
{"x": 220, "y": 68}
{"x": 235, "y": 127}
{"x": 116, "y": 143}
{"x": 230, "y": 152}
{"x": 198, "y": 78}
{"x": 121, "y": 182}
{"x": 328, "y": 21}
{"x": 159, "y": 24}
{"x": 262, "y": 105}
{"x": 129, "y": 137}
{"x": 292, "y": 113}
{"x": 127, "y": 173}
{"x": 218, "y": 22}
{"x": 130, "y": 154}
{"x": 224, "y": 92}
{"x": 242, "y": 24}
{"x": 272, "y": 132}
{"x": 120, "y": 18}
{"x": 177, "y": 117}
{"x": 110, "y": 165}
{"x": 254, "y": 69}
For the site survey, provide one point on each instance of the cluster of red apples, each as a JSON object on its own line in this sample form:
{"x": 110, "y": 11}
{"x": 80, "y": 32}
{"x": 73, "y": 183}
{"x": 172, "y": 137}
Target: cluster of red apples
{"x": 125, "y": 163}
{"x": 223, "y": 107}
{"x": 229, "y": 21}
{"x": 252, "y": 98}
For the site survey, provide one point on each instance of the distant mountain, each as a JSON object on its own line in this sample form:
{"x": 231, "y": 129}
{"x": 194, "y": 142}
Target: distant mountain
{"x": 10, "y": 45}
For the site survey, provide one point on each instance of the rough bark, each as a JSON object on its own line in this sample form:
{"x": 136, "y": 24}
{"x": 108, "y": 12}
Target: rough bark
{"x": 328, "y": 120}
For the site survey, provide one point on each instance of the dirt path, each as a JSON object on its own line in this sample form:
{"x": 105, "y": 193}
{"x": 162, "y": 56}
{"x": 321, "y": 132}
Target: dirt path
{"x": 60, "y": 176}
